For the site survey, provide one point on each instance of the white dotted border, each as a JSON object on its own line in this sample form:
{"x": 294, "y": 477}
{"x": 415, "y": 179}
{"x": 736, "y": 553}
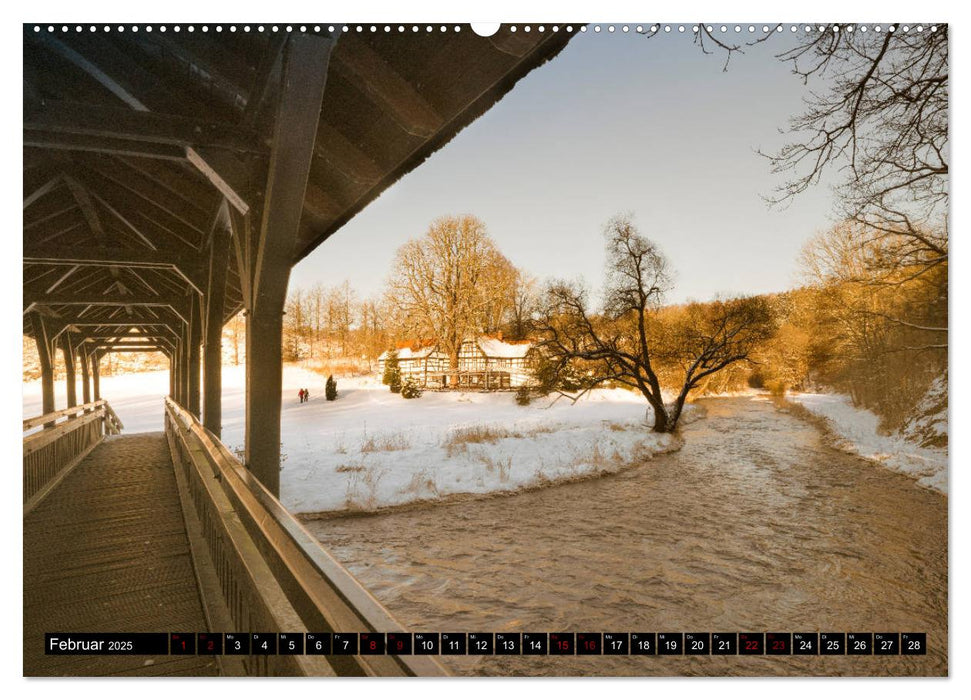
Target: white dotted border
{"x": 428, "y": 28}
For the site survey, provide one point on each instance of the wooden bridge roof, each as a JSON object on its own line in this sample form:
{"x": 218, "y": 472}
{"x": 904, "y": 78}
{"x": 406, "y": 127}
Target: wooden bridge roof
{"x": 137, "y": 143}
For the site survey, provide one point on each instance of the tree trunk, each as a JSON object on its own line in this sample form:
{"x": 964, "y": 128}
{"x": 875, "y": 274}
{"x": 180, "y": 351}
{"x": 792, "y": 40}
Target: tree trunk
{"x": 453, "y": 366}
{"x": 662, "y": 423}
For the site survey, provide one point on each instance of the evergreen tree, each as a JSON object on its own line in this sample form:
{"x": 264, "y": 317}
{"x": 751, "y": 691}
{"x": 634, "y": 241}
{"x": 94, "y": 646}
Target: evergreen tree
{"x": 392, "y": 372}
{"x": 330, "y": 390}
{"x": 411, "y": 389}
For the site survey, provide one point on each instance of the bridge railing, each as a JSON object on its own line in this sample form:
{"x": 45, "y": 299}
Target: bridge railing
{"x": 274, "y": 576}
{"x": 64, "y": 439}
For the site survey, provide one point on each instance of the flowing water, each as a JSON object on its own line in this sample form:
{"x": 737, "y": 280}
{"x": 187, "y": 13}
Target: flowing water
{"x": 756, "y": 524}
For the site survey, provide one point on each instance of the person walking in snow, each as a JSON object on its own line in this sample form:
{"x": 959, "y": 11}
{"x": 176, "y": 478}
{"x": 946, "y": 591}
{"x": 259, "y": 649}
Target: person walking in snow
{"x": 306, "y": 395}
{"x": 300, "y": 395}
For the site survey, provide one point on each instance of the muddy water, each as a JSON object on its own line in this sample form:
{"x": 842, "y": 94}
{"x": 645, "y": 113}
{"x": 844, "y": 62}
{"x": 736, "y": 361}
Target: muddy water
{"x": 755, "y": 525}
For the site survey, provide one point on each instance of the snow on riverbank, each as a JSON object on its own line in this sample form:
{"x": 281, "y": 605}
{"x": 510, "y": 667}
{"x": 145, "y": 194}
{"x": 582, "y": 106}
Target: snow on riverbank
{"x": 857, "y": 431}
{"x": 372, "y": 449}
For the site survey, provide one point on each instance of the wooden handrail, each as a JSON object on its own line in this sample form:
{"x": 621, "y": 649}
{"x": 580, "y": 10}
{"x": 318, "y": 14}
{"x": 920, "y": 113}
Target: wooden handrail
{"x": 323, "y": 593}
{"x": 42, "y": 438}
{"x": 55, "y": 415}
{"x": 113, "y": 423}
{"x": 65, "y": 438}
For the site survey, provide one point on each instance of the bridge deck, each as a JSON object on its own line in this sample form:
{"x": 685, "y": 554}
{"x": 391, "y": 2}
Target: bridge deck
{"x": 107, "y": 551}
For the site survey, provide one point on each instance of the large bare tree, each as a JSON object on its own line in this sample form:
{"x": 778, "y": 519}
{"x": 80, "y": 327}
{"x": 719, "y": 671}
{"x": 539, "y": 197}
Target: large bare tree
{"x": 450, "y": 284}
{"x": 624, "y": 343}
{"x": 522, "y": 305}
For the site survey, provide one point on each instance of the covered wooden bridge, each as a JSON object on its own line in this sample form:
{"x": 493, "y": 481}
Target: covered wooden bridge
{"x": 171, "y": 179}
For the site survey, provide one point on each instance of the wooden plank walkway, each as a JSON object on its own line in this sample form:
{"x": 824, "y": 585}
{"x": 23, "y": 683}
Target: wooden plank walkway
{"x": 107, "y": 551}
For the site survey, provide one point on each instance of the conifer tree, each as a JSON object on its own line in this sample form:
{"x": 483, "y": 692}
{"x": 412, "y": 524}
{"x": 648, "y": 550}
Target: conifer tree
{"x": 392, "y": 372}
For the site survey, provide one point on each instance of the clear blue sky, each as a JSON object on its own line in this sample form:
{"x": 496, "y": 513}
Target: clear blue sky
{"x": 615, "y": 123}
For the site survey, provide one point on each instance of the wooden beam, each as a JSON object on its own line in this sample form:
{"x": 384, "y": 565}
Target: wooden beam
{"x": 136, "y": 323}
{"x": 121, "y": 124}
{"x": 67, "y": 352}
{"x": 197, "y": 67}
{"x": 137, "y": 299}
{"x": 129, "y": 348}
{"x": 104, "y": 145}
{"x": 215, "y": 304}
{"x": 42, "y": 190}
{"x": 371, "y": 74}
{"x": 126, "y": 336}
{"x": 195, "y": 357}
{"x": 172, "y": 358}
{"x": 122, "y": 342}
{"x": 224, "y": 172}
{"x": 44, "y": 347}
{"x": 96, "y": 375}
{"x": 85, "y": 376}
{"x": 82, "y": 63}
{"x": 221, "y": 180}
{"x": 265, "y": 81}
{"x": 126, "y": 223}
{"x": 516, "y": 44}
{"x": 129, "y": 183}
{"x": 183, "y": 350}
{"x": 147, "y": 225}
{"x": 185, "y": 263}
{"x": 304, "y": 74}
{"x": 60, "y": 280}
{"x": 346, "y": 158}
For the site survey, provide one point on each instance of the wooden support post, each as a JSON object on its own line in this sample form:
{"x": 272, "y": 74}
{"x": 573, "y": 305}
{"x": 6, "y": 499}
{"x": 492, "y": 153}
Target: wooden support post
{"x": 45, "y": 355}
{"x": 67, "y": 351}
{"x": 85, "y": 377}
{"x": 96, "y": 375}
{"x": 194, "y": 366}
{"x": 172, "y": 376}
{"x": 177, "y": 372}
{"x": 184, "y": 367}
{"x": 215, "y": 301}
{"x": 304, "y": 73}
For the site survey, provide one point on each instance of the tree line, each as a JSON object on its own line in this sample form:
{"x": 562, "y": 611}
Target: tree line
{"x": 451, "y": 284}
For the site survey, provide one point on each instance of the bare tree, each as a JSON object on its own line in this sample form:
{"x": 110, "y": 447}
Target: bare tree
{"x": 523, "y": 305}
{"x": 877, "y": 120}
{"x": 371, "y": 330}
{"x": 316, "y": 301}
{"x": 499, "y": 281}
{"x": 340, "y": 305}
{"x": 294, "y": 325}
{"x": 624, "y": 343}
{"x": 235, "y": 329}
{"x": 882, "y": 124}
{"x": 449, "y": 284}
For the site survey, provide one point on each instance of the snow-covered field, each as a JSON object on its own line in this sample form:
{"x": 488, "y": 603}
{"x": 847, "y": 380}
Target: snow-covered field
{"x": 372, "y": 449}
{"x": 857, "y": 432}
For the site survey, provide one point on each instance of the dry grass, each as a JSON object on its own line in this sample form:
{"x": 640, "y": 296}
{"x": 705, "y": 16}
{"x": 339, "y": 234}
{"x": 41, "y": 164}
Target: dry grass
{"x": 339, "y": 367}
{"x": 346, "y": 468}
{"x": 502, "y": 467}
{"x": 459, "y": 439}
{"x": 361, "y": 491}
{"x": 422, "y": 484}
{"x": 391, "y": 442}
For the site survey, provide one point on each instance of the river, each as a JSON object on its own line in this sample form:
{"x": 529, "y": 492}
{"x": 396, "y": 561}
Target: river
{"x": 756, "y": 524}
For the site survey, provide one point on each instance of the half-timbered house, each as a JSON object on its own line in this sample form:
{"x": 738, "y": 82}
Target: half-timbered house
{"x": 485, "y": 363}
